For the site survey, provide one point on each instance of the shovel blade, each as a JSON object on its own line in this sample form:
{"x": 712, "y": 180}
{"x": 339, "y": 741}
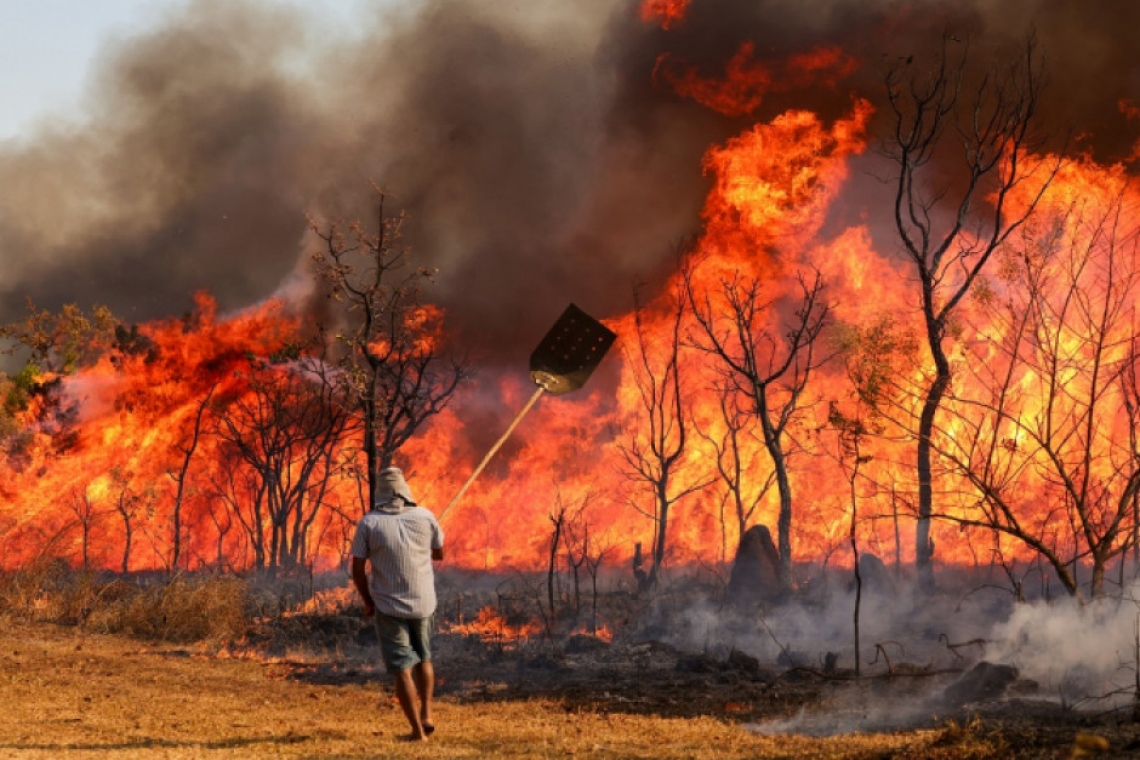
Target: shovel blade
{"x": 570, "y": 352}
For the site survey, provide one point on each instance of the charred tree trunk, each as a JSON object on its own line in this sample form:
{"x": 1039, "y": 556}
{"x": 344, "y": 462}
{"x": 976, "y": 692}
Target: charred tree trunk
{"x": 637, "y": 563}
{"x": 180, "y": 480}
{"x": 128, "y": 538}
{"x": 371, "y": 457}
{"x": 784, "y": 488}
{"x": 854, "y": 496}
{"x": 575, "y": 562}
{"x": 924, "y": 544}
{"x": 558, "y": 520}
{"x": 84, "y": 510}
{"x": 125, "y": 503}
{"x": 659, "y": 538}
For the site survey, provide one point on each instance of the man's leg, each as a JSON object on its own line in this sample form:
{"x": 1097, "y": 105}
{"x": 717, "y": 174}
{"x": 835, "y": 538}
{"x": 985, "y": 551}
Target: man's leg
{"x": 424, "y": 675}
{"x": 399, "y": 659}
{"x": 419, "y": 638}
{"x": 406, "y": 694}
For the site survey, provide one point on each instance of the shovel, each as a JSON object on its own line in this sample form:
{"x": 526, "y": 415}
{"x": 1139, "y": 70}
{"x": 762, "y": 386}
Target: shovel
{"x": 561, "y": 363}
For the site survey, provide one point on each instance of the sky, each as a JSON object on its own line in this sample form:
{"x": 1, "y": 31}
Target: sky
{"x": 48, "y": 49}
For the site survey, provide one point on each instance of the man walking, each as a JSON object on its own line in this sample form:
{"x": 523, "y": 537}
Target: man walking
{"x": 400, "y": 540}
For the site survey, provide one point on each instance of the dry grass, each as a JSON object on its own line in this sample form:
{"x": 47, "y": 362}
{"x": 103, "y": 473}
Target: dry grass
{"x": 44, "y": 589}
{"x": 182, "y": 610}
{"x": 75, "y": 695}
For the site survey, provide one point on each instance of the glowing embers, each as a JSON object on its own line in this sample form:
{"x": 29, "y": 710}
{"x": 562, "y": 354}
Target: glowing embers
{"x": 492, "y": 627}
{"x": 506, "y": 631}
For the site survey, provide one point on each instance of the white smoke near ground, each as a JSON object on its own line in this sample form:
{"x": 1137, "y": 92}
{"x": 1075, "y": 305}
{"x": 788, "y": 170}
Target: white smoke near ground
{"x": 1083, "y": 655}
{"x": 1068, "y": 655}
{"x": 897, "y": 626}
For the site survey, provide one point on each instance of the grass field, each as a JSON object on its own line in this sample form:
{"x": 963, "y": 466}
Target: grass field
{"x": 70, "y": 694}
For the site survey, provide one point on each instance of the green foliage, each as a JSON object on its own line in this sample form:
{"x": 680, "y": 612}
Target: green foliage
{"x": 288, "y": 353}
{"x": 61, "y": 342}
{"x": 8, "y": 422}
{"x": 877, "y": 357}
{"x": 21, "y": 387}
{"x": 15, "y": 396}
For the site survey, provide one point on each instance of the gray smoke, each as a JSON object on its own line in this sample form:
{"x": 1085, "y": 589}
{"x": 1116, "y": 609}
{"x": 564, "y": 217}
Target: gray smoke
{"x": 1066, "y": 655}
{"x": 539, "y": 162}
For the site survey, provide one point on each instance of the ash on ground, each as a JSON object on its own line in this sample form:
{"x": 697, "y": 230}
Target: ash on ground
{"x": 774, "y": 664}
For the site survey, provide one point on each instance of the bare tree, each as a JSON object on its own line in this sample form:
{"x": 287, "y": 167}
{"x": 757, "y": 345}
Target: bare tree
{"x": 654, "y": 451}
{"x": 878, "y": 358}
{"x": 577, "y": 542}
{"x": 732, "y": 463}
{"x": 594, "y": 555}
{"x": 853, "y": 428}
{"x": 85, "y": 513}
{"x": 558, "y": 523}
{"x": 241, "y": 492}
{"x": 1048, "y": 437}
{"x": 1131, "y": 382}
{"x": 180, "y": 475}
{"x": 223, "y": 521}
{"x": 385, "y": 339}
{"x": 126, "y": 503}
{"x": 950, "y": 226}
{"x": 770, "y": 371}
{"x": 285, "y": 430}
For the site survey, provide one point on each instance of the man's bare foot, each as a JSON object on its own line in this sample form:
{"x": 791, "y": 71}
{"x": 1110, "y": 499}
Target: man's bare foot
{"x": 429, "y": 729}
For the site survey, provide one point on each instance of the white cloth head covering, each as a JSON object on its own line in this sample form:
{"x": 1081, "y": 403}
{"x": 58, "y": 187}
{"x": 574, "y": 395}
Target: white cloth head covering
{"x": 392, "y": 490}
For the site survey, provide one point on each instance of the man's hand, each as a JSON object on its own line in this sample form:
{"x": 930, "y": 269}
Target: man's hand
{"x": 369, "y": 608}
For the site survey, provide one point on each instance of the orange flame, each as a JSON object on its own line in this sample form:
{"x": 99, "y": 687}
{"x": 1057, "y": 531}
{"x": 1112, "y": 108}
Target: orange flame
{"x": 667, "y": 13}
{"x": 772, "y": 188}
{"x": 490, "y": 626}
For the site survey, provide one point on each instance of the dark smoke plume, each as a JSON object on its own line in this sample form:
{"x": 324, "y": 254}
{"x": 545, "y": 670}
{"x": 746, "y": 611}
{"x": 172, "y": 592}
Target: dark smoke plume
{"x": 539, "y": 162}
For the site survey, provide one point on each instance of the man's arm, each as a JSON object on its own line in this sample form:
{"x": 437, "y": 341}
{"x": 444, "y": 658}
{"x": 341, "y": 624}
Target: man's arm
{"x": 436, "y": 540}
{"x": 360, "y": 579}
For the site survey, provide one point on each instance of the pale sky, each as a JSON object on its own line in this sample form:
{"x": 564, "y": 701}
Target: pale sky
{"x": 47, "y": 48}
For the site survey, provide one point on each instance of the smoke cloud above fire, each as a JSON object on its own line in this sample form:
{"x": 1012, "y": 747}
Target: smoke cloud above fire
{"x": 537, "y": 156}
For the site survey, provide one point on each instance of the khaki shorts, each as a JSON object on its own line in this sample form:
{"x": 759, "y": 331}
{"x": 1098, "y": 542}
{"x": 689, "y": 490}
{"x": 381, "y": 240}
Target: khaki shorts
{"x": 404, "y": 642}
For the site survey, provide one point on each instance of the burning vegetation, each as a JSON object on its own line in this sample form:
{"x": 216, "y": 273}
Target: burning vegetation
{"x": 885, "y": 338}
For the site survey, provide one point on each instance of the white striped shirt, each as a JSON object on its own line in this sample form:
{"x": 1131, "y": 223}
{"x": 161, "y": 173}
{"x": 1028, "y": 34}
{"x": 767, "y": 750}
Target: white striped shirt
{"x": 398, "y": 544}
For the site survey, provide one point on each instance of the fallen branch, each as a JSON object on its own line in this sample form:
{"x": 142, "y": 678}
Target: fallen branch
{"x": 980, "y": 643}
